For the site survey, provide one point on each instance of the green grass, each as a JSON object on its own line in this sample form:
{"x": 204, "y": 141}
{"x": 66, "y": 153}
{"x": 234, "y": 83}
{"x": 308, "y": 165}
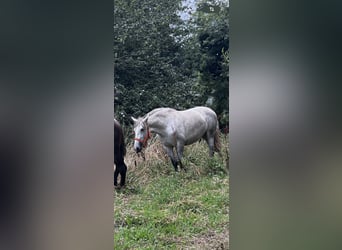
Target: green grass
{"x": 163, "y": 209}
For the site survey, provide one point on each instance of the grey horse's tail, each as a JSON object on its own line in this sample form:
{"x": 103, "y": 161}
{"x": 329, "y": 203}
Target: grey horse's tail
{"x": 217, "y": 142}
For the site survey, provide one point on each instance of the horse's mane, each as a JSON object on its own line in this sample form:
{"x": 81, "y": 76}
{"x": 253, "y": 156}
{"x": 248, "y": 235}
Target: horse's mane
{"x": 158, "y": 110}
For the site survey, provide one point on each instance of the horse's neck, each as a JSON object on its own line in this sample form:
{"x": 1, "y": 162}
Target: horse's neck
{"x": 156, "y": 125}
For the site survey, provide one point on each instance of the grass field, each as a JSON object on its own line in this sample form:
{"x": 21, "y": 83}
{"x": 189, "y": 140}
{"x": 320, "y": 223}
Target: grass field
{"x": 163, "y": 209}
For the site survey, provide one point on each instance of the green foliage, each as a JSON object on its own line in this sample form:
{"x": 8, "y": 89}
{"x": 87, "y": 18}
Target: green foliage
{"x": 149, "y": 70}
{"x": 169, "y": 213}
{"x": 161, "y": 60}
{"x": 212, "y": 27}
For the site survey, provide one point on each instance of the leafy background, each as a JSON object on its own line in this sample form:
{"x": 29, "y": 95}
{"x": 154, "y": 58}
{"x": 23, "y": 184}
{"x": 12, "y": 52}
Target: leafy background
{"x": 170, "y": 54}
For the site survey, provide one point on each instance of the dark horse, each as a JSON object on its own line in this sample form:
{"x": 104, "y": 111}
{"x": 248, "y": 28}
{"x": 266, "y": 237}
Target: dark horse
{"x": 119, "y": 153}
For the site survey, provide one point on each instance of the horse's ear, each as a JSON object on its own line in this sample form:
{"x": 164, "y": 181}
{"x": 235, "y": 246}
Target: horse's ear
{"x": 134, "y": 120}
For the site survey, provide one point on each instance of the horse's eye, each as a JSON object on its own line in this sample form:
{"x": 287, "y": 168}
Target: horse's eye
{"x": 142, "y": 130}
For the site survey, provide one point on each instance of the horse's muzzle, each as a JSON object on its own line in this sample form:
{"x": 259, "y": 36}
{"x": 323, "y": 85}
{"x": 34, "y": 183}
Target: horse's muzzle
{"x": 138, "y": 149}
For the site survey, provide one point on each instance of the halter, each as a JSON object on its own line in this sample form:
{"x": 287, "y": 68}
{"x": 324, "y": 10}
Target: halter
{"x": 145, "y": 139}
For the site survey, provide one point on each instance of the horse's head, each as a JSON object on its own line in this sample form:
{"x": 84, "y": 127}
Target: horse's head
{"x": 141, "y": 133}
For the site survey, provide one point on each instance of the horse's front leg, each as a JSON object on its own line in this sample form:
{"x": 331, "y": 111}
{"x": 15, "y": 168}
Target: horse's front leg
{"x": 169, "y": 151}
{"x": 180, "y": 150}
{"x": 123, "y": 174}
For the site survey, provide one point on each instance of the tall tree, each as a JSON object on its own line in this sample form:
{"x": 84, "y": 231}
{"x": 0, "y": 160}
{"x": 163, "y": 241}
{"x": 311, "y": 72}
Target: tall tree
{"x": 212, "y": 27}
{"x": 164, "y": 60}
{"x": 149, "y": 67}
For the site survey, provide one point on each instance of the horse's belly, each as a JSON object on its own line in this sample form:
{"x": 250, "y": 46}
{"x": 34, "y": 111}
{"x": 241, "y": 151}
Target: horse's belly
{"x": 192, "y": 140}
{"x": 194, "y": 137}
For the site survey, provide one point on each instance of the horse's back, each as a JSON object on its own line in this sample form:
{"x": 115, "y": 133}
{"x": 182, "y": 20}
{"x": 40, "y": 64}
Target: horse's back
{"x": 195, "y": 123}
{"x": 191, "y": 123}
{"x": 210, "y": 116}
{"x": 205, "y": 113}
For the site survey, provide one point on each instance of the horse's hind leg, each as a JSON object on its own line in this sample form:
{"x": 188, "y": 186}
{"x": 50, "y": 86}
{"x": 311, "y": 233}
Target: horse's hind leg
{"x": 116, "y": 173}
{"x": 211, "y": 143}
{"x": 123, "y": 174}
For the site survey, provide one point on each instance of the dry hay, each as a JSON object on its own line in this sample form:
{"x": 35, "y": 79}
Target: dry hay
{"x": 153, "y": 161}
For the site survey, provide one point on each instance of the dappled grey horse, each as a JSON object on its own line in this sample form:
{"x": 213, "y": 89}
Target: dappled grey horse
{"x": 177, "y": 129}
